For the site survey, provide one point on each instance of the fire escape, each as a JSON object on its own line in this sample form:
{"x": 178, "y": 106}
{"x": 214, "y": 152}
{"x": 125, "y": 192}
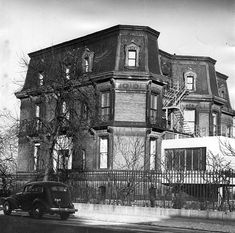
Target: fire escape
{"x": 174, "y": 114}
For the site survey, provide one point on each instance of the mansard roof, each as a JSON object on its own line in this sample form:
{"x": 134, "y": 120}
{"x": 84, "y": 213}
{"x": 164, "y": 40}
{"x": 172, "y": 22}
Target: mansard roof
{"x": 99, "y": 34}
{"x": 187, "y": 57}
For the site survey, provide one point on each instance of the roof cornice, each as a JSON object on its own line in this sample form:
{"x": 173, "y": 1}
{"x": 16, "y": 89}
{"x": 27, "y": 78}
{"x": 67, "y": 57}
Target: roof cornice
{"x": 187, "y": 57}
{"x": 96, "y": 35}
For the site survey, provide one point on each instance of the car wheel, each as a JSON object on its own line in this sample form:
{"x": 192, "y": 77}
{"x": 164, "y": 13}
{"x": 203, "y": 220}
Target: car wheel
{"x": 37, "y": 211}
{"x": 64, "y": 216}
{"x": 7, "y": 208}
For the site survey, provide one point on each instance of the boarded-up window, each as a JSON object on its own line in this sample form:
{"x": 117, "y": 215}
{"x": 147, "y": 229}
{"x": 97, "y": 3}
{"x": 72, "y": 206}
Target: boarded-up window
{"x": 130, "y": 107}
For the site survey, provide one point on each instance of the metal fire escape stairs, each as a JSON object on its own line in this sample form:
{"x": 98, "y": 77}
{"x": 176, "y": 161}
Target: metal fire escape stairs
{"x": 172, "y": 98}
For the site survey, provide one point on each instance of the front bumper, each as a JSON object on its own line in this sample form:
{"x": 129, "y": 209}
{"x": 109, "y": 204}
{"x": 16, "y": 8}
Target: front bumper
{"x": 59, "y": 210}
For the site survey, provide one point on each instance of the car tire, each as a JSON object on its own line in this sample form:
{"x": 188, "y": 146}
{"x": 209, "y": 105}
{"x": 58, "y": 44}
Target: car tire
{"x": 36, "y": 211}
{"x": 7, "y": 208}
{"x": 64, "y": 216}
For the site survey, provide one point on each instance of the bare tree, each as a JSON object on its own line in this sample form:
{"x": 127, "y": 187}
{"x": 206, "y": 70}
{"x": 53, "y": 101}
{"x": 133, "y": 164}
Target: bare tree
{"x": 69, "y": 97}
{"x": 220, "y": 174}
{"x": 129, "y": 152}
{"x": 8, "y": 148}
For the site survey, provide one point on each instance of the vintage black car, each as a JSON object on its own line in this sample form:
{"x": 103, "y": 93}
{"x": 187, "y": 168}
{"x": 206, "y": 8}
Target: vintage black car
{"x": 39, "y": 198}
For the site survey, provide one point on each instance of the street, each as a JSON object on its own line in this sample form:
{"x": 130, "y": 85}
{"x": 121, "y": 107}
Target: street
{"x": 22, "y": 223}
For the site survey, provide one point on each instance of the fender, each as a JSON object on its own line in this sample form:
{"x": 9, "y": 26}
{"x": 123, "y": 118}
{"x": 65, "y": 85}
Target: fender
{"x": 43, "y": 203}
{"x": 12, "y": 201}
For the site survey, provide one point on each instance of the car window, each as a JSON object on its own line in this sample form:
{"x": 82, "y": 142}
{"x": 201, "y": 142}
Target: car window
{"x": 27, "y": 188}
{"x": 58, "y": 188}
{"x": 37, "y": 189}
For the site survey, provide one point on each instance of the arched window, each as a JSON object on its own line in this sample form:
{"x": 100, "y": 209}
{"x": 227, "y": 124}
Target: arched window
{"x": 132, "y": 55}
{"x": 222, "y": 91}
{"x": 190, "y": 80}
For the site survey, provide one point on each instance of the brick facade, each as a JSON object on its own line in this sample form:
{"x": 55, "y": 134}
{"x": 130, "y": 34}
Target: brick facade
{"x": 130, "y": 76}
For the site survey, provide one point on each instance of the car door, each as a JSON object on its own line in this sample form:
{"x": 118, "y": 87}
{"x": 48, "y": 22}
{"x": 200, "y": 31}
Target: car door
{"x": 23, "y": 197}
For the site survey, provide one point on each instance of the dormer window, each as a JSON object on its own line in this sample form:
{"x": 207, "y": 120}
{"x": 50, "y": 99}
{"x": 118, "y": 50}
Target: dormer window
{"x": 41, "y": 78}
{"x": 222, "y": 91}
{"x": 190, "y": 81}
{"x": 67, "y": 72}
{"x": 87, "y": 60}
{"x": 131, "y": 58}
{"x": 132, "y": 55}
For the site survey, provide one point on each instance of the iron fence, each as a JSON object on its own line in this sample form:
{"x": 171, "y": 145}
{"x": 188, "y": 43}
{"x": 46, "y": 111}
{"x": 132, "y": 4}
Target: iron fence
{"x": 169, "y": 189}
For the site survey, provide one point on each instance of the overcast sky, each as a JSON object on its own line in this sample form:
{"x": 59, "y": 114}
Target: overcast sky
{"x": 187, "y": 27}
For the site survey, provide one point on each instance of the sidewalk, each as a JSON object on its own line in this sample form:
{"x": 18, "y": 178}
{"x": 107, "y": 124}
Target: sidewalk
{"x": 93, "y": 212}
{"x": 176, "y": 222}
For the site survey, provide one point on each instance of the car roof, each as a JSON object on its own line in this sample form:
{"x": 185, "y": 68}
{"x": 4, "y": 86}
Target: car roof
{"x": 45, "y": 183}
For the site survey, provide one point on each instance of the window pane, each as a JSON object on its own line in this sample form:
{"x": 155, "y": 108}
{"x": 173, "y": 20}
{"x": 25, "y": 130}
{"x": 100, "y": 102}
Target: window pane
{"x": 190, "y": 80}
{"x": 169, "y": 154}
{"x": 132, "y": 54}
{"x": 188, "y": 159}
{"x": 195, "y": 159}
{"x": 131, "y": 62}
{"x": 182, "y": 159}
{"x": 176, "y": 159}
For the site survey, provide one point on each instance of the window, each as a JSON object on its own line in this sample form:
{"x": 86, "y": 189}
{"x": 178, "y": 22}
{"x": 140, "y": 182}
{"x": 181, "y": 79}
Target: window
{"x": 190, "y": 78}
{"x": 87, "y": 60}
{"x": 64, "y": 110}
{"x": 214, "y": 124}
{"x": 105, "y": 106}
{"x": 132, "y": 55}
{"x": 222, "y": 91}
{"x": 186, "y": 159}
{"x": 84, "y": 111}
{"x": 153, "y": 153}
{"x": 41, "y": 78}
{"x": 190, "y": 83}
{"x": 37, "y": 111}
{"x": 153, "y": 108}
{"x": 103, "y": 158}
{"x": 189, "y": 121}
{"x": 131, "y": 58}
{"x": 67, "y": 72}
{"x": 37, "y": 115}
{"x": 62, "y": 156}
{"x": 83, "y": 159}
{"x": 63, "y": 159}
{"x": 37, "y": 189}
{"x": 36, "y": 155}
